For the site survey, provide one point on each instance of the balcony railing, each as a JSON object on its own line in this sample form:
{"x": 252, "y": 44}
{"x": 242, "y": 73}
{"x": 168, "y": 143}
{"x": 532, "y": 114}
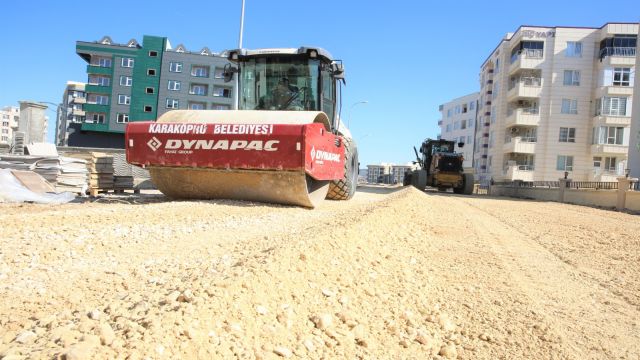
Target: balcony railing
{"x": 524, "y": 111}
{"x": 526, "y": 81}
{"x": 617, "y": 51}
{"x": 527, "y": 53}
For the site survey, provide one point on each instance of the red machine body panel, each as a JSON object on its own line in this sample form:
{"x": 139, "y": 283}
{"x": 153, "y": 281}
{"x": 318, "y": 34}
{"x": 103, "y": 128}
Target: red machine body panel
{"x": 270, "y": 147}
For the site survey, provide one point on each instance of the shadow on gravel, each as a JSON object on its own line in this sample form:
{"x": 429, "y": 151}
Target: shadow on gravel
{"x": 379, "y": 189}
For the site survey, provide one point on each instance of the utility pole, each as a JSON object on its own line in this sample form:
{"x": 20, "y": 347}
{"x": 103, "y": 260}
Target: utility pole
{"x": 237, "y": 91}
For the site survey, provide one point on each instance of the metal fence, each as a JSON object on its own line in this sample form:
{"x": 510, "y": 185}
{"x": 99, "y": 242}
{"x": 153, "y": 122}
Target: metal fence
{"x": 597, "y": 185}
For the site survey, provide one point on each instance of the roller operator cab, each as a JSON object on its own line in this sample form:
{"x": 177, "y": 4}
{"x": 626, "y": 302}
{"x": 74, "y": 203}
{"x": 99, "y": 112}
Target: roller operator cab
{"x": 302, "y": 79}
{"x": 284, "y": 144}
{"x": 440, "y": 167}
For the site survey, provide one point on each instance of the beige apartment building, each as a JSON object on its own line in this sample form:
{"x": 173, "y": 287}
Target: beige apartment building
{"x": 556, "y": 100}
{"x": 70, "y": 111}
{"x": 387, "y": 173}
{"x": 458, "y": 124}
{"x": 9, "y": 118}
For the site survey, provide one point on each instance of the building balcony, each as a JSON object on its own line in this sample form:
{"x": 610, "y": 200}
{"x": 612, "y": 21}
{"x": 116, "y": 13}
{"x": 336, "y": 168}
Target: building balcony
{"x": 439, "y": 122}
{"x": 525, "y": 88}
{"x": 93, "y": 69}
{"x": 98, "y": 89}
{"x": 614, "y": 91}
{"x": 523, "y": 117}
{"x": 612, "y": 120}
{"x": 78, "y": 112}
{"x": 606, "y": 176}
{"x": 528, "y": 59}
{"x": 522, "y": 145}
{"x": 79, "y": 100}
{"x": 618, "y": 56}
{"x": 609, "y": 149}
{"x": 97, "y": 108}
{"x": 519, "y": 172}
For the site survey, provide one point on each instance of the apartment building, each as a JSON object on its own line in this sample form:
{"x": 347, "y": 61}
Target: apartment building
{"x": 634, "y": 139}
{"x": 70, "y": 111}
{"x": 458, "y": 124}
{"x": 377, "y": 173}
{"x": 138, "y": 82}
{"x": 556, "y": 100}
{"x": 387, "y": 173}
{"x": 9, "y": 118}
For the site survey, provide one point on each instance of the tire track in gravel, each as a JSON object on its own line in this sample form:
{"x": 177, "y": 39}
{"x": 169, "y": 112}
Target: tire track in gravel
{"x": 594, "y": 322}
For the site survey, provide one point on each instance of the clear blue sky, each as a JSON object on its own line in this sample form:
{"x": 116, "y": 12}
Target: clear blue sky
{"x": 403, "y": 57}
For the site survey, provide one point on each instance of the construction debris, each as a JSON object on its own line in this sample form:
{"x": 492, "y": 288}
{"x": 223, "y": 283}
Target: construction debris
{"x": 28, "y": 186}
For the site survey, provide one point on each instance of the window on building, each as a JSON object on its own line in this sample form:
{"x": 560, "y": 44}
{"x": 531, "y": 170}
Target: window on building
{"x": 99, "y": 80}
{"x": 574, "y": 49}
{"x": 496, "y": 89}
{"x": 5, "y": 131}
{"x": 148, "y": 108}
{"x": 464, "y": 108}
{"x": 122, "y": 118}
{"x": 569, "y": 106}
{"x": 571, "y": 77}
{"x": 497, "y": 68}
{"x": 153, "y": 53}
{"x": 221, "y": 91}
{"x": 151, "y": 72}
{"x": 567, "y": 134}
{"x": 149, "y": 90}
{"x": 126, "y": 80}
{"x": 199, "y": 71}
{"x": 610, "y": 164}
{"x": 215, "y": 106}
{"x": 456, "y": 125}
{"x": 448, "y": 128}
{"x": 622, "y": 76}
{"x": 175, "y": 67}
{"x": 472, "y": 105}
{"x": 564, "y": 163}
{"x": 597, "y": 160}
{"x": 124, "y": 99}
{"x": 173, "y": 104}
{"x": 126, "y": 62}
{"x": 448, "y": 113}
{"x": 197, "y": 105}
{"x": 98, "y": 99}
{"x": 95, "y": 118}
{"x": 5, "y": 123}
{"x": 174, "y": 85}
{"x": 468, "y": 139}
{"x": 218, "y": 73}
{"x": 608, "y": 135}
{"x": 611, "y": 106}
{"x": 198, "y": 89}
{"x": 101, "y": 61}
{"x": 5, "y": 138}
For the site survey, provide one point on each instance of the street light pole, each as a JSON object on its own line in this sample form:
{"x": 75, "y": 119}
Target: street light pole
{"x": 237, "y": 90}
{"x": 59, "y": 108}
{"x": 351, "y": 110}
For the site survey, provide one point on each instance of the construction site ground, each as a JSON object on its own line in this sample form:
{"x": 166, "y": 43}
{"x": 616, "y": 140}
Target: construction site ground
{"x": 393, "y": 274}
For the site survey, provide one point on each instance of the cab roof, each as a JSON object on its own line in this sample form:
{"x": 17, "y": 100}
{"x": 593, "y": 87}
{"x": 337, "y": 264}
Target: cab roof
{"x": 234, "y": 55}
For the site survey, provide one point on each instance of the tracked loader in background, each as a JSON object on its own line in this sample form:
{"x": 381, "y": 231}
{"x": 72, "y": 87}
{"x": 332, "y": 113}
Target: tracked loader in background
{"x": 284, "y": 145}
{"x": 440, "y": 166}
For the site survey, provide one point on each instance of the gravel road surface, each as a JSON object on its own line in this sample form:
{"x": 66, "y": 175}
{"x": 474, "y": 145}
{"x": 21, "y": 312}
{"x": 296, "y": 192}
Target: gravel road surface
{"x": 393, "y": 274}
